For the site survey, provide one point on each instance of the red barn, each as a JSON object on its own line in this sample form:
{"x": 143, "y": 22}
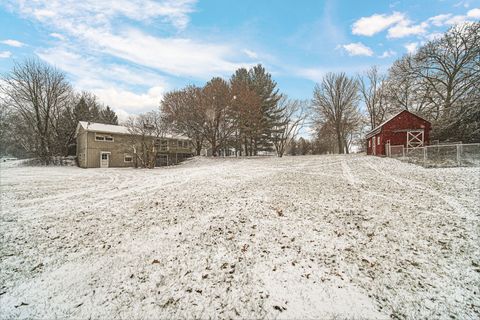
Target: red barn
{"x": 404, "y": 128}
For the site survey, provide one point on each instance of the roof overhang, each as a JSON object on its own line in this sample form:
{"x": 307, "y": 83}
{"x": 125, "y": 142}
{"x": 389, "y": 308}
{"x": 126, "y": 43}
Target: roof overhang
{"x": 373, "y": 132}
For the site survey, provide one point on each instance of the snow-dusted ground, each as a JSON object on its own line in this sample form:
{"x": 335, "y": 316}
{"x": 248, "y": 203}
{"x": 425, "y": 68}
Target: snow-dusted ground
{"x": 298, "y": 237}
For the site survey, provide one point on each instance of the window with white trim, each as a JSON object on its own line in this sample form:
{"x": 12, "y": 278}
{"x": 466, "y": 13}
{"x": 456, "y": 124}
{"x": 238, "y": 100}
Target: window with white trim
{"x": 102, "y": 137}
{"x": 369, "y": 143}
{"x": 127, "y": 158}
{"x": 378, "y": 140}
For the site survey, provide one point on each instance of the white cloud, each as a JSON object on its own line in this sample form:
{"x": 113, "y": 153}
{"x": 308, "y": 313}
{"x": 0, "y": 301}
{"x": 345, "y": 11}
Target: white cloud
{"x": 440, "y": 19}
{"x": 474, "y": 13}
{"x": 251, "y": 54}
{"x": 57, "y": 35}
{"x": 130, "y": 101}
{"x": 89, "y": 23}
{"x": 449, "y": 19}
{"x": 405, "y": 28}
{"x": 109, "y": 81}
{"x": 387, "y": 54}
{"x": 5, "y": 54}
{"x": 13, "y": 43}
{"x": 43, "y": 13}
{"x": 411, "y": 47}
{"x": 368, "y": 26}
{"x": 99, "y": 13}
{"x": 176, "y": 56}
{"x": 357, "y": 49}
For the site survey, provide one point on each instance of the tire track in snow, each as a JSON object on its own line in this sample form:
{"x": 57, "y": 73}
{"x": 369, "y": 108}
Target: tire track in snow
{"x": 419, "y": 187}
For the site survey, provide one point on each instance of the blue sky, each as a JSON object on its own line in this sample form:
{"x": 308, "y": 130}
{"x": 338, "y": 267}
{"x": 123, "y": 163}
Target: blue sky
{"x": 131, "y": 52}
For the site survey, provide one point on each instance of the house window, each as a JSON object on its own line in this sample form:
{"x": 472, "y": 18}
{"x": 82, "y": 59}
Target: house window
{"x": 378, "y": 140}
{"x": 163, "y": 145}
{"x": 127, "y": 158}
{"x": 99, "y": 137}
{"x": 185, "y": 144}
{"x": 369, "y": 143}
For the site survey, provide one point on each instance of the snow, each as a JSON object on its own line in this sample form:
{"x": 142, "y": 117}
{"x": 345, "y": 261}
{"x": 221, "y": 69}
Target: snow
{"x": 298, "y": 237}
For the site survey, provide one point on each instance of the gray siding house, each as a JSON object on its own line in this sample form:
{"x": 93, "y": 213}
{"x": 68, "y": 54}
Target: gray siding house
{"x": 104, "y": 145}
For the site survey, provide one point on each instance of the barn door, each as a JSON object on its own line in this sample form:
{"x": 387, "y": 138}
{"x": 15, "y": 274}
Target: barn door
{"x": 414, "y": 139}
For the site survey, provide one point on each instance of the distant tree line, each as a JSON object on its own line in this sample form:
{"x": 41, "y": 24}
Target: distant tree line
{"x": 39, "y": 111}
{"x": 245, "y": 115}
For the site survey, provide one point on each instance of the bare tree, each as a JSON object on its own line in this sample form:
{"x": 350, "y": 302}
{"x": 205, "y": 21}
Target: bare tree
{"x": 372, "y": 88}
{"x": 292, "y": 119}
{"x": 146, "y": 130}
{"x": 335, "y": 101}
{"x": 216, "y": 102}
{"x": 450, "y": 65}
{"x": 38, "y": 93}
{"x": 183, "y": 109}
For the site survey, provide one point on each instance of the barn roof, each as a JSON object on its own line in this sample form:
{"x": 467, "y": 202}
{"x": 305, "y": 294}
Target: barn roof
{"x": 379, "y": 127}
{"x": 113, "y": 129}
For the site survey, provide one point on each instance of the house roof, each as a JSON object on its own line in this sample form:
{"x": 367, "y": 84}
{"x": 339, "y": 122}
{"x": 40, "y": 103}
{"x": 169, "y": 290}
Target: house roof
{"x": 114, "y": 129}
{"x": 379, "y": 127}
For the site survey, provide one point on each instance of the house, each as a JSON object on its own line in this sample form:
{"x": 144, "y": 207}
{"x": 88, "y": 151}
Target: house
{"x": 403, "y": 129}
{"x": 104, "y": 145}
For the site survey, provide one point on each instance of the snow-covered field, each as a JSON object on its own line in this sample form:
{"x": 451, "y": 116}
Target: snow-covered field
{"x": 298, "y": 237}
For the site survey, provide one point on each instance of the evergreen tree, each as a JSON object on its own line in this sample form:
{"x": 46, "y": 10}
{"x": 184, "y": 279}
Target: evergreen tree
{"x": 266, "y": 88}
{"x": 108, "y": 116}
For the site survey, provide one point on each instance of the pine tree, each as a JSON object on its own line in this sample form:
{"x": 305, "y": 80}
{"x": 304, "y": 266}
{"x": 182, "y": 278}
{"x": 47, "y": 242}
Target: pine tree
{"x": 108, "y": 116}
{"x": 266, "y": 88}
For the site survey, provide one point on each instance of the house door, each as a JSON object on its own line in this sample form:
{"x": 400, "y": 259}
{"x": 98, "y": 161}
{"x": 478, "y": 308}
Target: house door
{"x": 104, "y": 159}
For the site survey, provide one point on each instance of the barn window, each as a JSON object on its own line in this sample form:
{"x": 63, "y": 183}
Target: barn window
{"x": 127, "y": 158}
{"x": 378, "y": 140}
{"x": 369, "y": 143}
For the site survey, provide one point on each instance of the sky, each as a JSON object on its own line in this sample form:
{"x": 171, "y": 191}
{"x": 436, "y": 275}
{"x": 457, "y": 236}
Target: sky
{"x": 130, "y": 52}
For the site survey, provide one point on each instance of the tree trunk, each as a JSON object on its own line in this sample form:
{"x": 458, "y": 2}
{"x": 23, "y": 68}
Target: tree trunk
{"x": 339, "y": 142}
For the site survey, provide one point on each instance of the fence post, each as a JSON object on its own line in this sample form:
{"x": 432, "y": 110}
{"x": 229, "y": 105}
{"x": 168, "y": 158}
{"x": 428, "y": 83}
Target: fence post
{"x": 459, "y": 160}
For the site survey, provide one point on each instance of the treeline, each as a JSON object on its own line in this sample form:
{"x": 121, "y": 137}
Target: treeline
{"x": 39, "y": 112}
{"x": 245, "y": 115}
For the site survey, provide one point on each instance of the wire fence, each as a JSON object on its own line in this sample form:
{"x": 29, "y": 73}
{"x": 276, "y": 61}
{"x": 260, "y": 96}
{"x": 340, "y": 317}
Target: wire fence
{"x": 439, "y": 155}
